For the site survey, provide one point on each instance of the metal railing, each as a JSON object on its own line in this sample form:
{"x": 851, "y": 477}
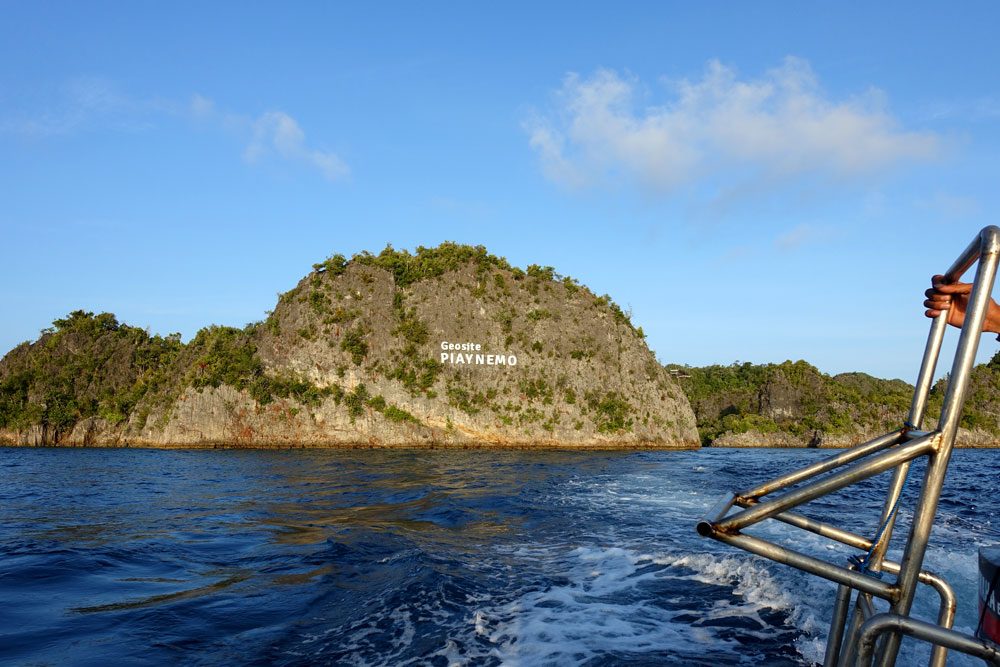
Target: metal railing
{"x": 859, "y": 636}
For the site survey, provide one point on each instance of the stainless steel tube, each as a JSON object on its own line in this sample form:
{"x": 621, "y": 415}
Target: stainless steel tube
{"x": 824, "y": 529}
{"x": 838, "y": 621}
{"x": 858, "y": 637}
{"x": 968, "y": 343}
{"x": 888, "y": 517}
{"x": 895, "y": 624}
{"x": 865, "y": 602}
{"x": 979, "y": 245}
{"x": 937, "y": 467}
{"x": 855, "y": 473}
{"x": 717, "y": 512}
{"x": 827, "y": 464}
{"x": 948, "y": 605}
{"x": 946, "y": 614}
{"x": 850, "y": 650}
{"x": 925, "y": 378}
{"x": 946, "y": 609}
{"x": 820, "y": 568}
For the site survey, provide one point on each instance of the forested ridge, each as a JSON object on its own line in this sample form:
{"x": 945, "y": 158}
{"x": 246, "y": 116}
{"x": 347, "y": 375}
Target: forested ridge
{"x": 795, "y": 402}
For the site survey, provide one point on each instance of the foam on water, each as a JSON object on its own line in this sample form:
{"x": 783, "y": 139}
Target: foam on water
{"x": 597, "y": 609}
{"x": 692, "y": 608}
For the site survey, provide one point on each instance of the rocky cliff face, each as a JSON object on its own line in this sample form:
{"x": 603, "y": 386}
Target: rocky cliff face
{"x": 448, "y": 346}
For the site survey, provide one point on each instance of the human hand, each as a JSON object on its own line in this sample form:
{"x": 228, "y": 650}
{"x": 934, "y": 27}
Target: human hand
{"x": 954, "y": 298}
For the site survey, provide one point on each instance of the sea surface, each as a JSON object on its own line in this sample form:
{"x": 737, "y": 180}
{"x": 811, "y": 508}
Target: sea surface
{"x": 150, "y": 557}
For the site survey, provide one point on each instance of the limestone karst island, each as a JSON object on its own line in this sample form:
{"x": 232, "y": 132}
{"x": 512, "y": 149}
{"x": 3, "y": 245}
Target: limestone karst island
{"x": 450, "y": 346}
{"x": 447, "y": 346}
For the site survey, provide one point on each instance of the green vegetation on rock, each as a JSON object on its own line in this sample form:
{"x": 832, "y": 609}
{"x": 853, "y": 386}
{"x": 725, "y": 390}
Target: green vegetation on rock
{"x": 426, "y": 263}
{"x": 373, "y": 323}
{"x": 228, "y": 356}
{"x": 795, "y": 398}
{"x": 355, "y": 345}
{"x": 982, "y": 400}
{"x": 85, "y": 366}
{"x": 416, "y": 371}
{"x": 611, "y": 412}
{"x": 334, "y": 265}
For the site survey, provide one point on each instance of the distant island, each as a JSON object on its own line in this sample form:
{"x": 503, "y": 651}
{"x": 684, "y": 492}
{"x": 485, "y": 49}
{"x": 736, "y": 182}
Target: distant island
{"x": 793, "y": 404}
{"x": 448, "y": 346}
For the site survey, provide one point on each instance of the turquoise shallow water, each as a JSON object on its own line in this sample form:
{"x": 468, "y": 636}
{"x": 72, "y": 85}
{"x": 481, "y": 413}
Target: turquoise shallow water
{"x": 146, "y": 557}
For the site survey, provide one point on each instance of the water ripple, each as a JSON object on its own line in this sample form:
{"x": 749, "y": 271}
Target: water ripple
{"x": 144, "y": 557}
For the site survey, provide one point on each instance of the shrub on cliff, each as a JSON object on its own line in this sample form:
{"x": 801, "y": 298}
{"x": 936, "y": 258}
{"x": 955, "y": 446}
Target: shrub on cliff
{"x": 430, "y": 262}
{"x": 228, "y": 356}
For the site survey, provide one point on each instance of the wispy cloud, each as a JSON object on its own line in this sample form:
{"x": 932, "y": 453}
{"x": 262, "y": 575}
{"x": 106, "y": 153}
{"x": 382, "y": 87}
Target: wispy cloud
{"x": 277, "y": 132}
{"x": 950, "y": 207}
{"x": 771, "y": 129}
{"x": 979, "y": 109}
{"x": 94, "y": 103}
{"x": 801, "y": 235}
{"x": 272, "y": 133}
{"x": 80, "y": 104}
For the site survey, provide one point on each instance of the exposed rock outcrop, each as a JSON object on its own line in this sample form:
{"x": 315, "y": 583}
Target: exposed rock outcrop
{"x": 449, "y": 346}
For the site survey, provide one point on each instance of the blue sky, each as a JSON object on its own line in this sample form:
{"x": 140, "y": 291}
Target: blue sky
{"x": 754, "y": 181}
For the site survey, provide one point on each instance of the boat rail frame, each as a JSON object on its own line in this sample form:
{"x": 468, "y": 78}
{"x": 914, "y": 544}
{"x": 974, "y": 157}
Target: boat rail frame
{"x": 868, "y": 634}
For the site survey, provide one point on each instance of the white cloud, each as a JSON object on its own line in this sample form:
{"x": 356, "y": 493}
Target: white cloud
{"x": 278, "y": 132}
{"x": 777, "y": 127}
{"x": 271, "y": 133}
{"x": 94, "y": 103}
{"x": 550, "y": 146}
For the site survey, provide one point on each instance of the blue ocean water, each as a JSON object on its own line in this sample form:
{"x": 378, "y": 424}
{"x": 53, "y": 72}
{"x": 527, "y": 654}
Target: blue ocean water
{"x": 148, "y": 557}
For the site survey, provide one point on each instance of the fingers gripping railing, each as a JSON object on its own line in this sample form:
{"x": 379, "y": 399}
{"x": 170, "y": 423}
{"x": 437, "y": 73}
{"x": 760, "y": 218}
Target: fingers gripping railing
{"x": 854, "y": 637}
